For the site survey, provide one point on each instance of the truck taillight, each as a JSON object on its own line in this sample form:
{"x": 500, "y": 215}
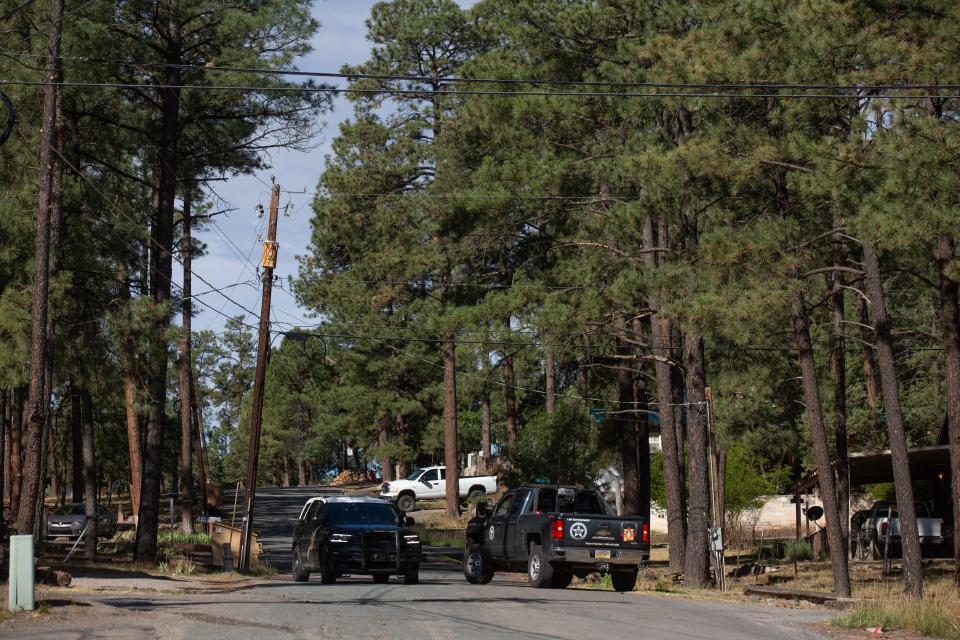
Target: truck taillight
{"x": 556, "y": 529}
{"x": 645, "y": 533}
{"x": 883, "y": 528}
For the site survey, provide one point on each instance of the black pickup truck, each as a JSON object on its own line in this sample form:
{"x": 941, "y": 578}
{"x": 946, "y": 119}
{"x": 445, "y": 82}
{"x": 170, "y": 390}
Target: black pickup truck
{"x": 340, "y": 535}
{"x": 554, "y": 533}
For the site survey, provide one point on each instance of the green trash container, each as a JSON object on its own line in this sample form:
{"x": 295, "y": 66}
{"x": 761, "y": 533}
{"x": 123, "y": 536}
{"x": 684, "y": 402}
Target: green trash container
{"x": 21, "y": 574}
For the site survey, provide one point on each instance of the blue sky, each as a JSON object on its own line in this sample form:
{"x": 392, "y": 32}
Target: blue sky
{"x": 233, "y": 247}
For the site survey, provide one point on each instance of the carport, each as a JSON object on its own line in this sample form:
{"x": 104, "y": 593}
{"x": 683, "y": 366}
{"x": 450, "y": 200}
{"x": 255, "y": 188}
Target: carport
{"x": 927, "y": 464}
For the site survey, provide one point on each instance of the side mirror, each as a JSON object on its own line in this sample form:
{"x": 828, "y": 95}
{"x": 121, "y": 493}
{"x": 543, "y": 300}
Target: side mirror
{"x": 482, "y": 510}
{"x": 409, "y": 522}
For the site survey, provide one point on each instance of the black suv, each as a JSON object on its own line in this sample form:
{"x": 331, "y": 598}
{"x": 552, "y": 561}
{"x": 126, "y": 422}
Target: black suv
{"x": 340, "y": 535}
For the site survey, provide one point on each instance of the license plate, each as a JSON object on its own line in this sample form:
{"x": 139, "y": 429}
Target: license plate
{"x": 602, "y": 554}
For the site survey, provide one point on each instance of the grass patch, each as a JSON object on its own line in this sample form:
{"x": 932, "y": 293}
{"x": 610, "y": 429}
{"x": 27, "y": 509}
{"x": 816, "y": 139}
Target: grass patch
{"x": 937, "y": 615}
{"x": 262, "y": 570}
{"x": 455, "y": 538}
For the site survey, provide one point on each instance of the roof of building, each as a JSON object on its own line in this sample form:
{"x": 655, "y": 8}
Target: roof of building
{"x": 875, "y": 467}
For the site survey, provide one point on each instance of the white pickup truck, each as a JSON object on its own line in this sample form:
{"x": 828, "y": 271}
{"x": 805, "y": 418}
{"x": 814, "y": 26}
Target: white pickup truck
{"x": 883, "y": 522}
{"x": 430, "y": 484}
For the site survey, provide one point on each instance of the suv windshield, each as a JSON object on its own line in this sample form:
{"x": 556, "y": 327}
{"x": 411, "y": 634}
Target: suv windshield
{"x": 415, "y": 474}
{"x": 361, "y": 513}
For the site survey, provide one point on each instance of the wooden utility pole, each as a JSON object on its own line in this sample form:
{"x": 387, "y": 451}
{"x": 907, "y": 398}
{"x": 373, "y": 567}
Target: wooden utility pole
{"x": 186, "y": 388}
{"x": 268, "y": 263}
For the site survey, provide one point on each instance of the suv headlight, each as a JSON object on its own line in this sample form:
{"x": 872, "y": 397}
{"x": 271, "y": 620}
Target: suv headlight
{"x": 340, "y": 537}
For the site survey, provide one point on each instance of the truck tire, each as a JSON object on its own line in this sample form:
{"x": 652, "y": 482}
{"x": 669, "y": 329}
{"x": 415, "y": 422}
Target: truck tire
{"x": 624, "y": 580}
{"x": 475, "y": 494}
{"x": 406, "y": 502}
{"x": 412, "y": 577}
{"x": 299, "y": 573}
{"x": 328, "y": 574}
{"x": 561, "y": 580}
{"x": 476, "y": 566}
{"x": 539, "y": 570}
{"x": 381, "y": 578}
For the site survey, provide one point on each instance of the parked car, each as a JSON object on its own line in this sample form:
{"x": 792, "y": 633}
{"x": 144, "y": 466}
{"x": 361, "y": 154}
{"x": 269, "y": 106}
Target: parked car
{"x": 554, "y": 533}
{"x": 68, "y": 521}
{"x": 340, "y": 535}
{"x": 883, "y": 521}
{"x": 430, "y": 483}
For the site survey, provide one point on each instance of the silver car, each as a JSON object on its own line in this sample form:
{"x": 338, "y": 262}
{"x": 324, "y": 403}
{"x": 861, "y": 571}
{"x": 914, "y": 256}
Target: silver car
{"x": 68, "y": 522}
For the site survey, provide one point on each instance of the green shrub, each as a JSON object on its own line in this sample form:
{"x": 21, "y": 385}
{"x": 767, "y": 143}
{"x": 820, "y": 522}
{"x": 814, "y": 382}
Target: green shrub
{"x": 798, "y": 550}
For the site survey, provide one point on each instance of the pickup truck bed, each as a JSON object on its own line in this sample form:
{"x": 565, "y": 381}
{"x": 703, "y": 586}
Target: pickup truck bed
{"x": 554, "y": 533}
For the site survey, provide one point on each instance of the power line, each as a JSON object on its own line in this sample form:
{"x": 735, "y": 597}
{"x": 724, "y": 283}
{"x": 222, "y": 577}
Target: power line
{"x": 77, "y": 171}
{"x": 461, "y": 92}
{"x": 725, "y": 86}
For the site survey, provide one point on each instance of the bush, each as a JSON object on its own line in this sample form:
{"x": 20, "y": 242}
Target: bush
{"x": 798, "y": 550}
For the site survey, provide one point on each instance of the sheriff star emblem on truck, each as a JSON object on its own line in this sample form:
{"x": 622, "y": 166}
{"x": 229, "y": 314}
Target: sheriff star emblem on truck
{"x": 578, "y": 531}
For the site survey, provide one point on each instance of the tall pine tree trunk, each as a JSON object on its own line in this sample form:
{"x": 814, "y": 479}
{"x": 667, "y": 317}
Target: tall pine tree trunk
{"x": 838, "y": 370}
{"x": 672, "y": 454}
{"x": 450, "y": 451}
{"x": 485, "y": 425}
{"x": 909, "y": 535}
{"x": 145, "y": 544}
{"x": 821, "y": 452}
{"x": 386, "y": 463}
{"x": 89, "y": 473}
{"x": 186, "y": 376}
{"x": 130, "y": 402}
{"x": 285, "y": 476}
{"x": 76, "y": 436}
{"x": 627, "y": 427}
{"x": 869, "y": 370}
{"x": 32, "y": 482}
{"x": 510, "y": 402}
{"x": 4, "y": 460}
{"x": 16, "y": 449}
{"x": 950, "y": 321}
{"x": 697, "y": 559}
{"x": 549, "y": 377}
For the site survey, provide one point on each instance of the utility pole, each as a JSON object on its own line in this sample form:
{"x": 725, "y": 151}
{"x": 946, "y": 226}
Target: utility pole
{"x": 268, "y": 263}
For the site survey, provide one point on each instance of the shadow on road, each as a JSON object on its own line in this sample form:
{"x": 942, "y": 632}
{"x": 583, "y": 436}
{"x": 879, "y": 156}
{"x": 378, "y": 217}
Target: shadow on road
{"x": 275, "y": 511}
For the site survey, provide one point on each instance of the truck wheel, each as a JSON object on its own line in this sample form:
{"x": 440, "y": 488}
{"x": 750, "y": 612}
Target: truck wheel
{"x": 476, "y": 565}
{"x": 299, "y": 573}
{"x": 539, "y": 570}
{"x": 475, "y": 494}
{"x": 406, "y": 502}
{"x": 381, "y": 578}
{"x": 561, "y": 580}
{"x": 624, "y": 580}
{"x": 412, "y": 577}
{"x": 327, "y": 573}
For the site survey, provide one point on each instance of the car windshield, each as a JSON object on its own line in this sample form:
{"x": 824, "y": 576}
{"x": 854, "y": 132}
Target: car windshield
{"x": 361, "y": 513}
{"x": 415, "y": 474}
{"x": 70, "y": 510}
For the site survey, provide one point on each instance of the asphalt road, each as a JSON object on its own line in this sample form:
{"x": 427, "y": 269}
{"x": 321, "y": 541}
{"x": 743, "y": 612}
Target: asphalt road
{"x": 275, "y": 511}
{"x": 443, "y": 606}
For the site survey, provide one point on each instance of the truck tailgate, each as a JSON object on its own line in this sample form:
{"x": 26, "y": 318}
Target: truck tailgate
{"x": 604, "y": 531}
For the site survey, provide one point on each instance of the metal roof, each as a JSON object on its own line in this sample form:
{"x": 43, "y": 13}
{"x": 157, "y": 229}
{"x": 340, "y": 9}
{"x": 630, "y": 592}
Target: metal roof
{"x": 875, "y": 467}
